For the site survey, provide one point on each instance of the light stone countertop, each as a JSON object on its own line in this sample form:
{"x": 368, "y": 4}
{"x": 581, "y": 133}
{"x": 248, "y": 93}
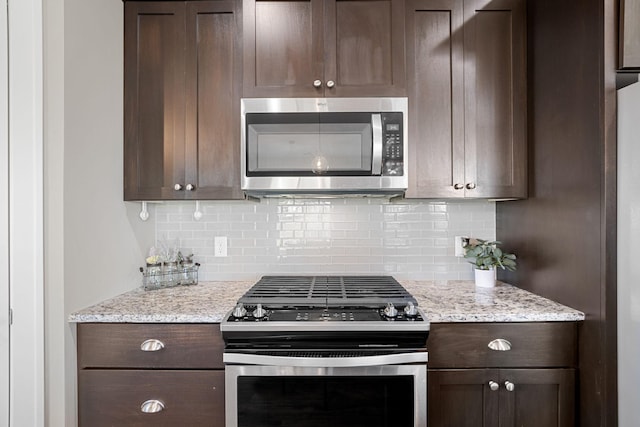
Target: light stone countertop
{"x": 442, "y": 301}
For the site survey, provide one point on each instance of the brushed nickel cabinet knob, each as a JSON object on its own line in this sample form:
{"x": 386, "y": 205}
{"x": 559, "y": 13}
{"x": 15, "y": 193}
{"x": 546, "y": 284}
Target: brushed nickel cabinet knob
{"x": 509, "y": 386}
{"x": 317, "y": 83}
{"x": 190, "y": 187}
{"x": 458, "y": 186}
{"x": 471, "y": 186}
{"x": 331, "y": 84}
{"x": 494, "y": 386}
{"x": 177, "y": 187}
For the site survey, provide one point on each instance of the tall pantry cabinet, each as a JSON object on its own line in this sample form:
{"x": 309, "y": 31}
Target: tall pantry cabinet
{"x": 182, "y": 100}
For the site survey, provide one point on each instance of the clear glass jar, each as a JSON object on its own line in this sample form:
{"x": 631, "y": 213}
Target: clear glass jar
{"x": 171, "y": 275}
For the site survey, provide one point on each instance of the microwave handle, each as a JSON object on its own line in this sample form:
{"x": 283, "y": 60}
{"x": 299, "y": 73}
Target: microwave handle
{"x": 376, "y": 160}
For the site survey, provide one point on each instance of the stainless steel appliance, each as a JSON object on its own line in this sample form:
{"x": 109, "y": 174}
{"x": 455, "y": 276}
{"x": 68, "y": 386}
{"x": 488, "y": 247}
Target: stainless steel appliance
{"x": 338, "y": 351}
{"x": 324, "y": 146}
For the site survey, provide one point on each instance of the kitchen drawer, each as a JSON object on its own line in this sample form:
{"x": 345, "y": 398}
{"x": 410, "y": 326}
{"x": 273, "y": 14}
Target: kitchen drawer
{"x": 466, "y": 345}
{"x": 115, "y": 397}
{"x": 118, "y": 345}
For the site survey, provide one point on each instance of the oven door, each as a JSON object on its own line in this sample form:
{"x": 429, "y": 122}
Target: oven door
{"x": 365, "y": 391}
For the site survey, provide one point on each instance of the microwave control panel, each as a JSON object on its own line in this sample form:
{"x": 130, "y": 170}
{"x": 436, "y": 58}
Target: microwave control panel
{"x": 392, "y": 144}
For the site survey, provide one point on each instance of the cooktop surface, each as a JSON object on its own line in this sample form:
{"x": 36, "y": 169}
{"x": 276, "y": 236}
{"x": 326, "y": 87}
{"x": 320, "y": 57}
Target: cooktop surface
{"x": 327, "y": 291}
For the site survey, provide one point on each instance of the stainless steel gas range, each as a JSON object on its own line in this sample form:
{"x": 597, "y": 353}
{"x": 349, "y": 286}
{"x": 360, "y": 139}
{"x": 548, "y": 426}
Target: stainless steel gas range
{"x": 309, "y": 351}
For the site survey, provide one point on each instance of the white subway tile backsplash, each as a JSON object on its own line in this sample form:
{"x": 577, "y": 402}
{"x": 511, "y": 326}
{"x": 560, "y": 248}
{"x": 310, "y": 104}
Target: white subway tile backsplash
{"x": 410, "y": 239}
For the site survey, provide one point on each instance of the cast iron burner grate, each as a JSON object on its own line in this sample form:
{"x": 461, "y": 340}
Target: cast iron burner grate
{"x": 329, "y": 291}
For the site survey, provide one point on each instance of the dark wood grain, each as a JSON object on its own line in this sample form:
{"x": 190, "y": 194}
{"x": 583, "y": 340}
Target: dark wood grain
{"x": 436, "y": 97}
{"x": 283, "y": 48}
{"x": 359, "y": 45}
{"x": 462, "y": 397}
{"x": 572, "y": 182}
{"x": 495, "y": 98}
{"x": 466, "y": 65}
{"x": 117, "y": 345}
{"x": 153, "y": 99}
{"x": 364, "y": 47}
{"x": 629, "y": 56}
{"x": 182, "y": 100}
{"x": 541, "y": 397}
{"x": 213, "y": 88}
{"x": 464, "y": 345}
{"x": 114, "y": 397}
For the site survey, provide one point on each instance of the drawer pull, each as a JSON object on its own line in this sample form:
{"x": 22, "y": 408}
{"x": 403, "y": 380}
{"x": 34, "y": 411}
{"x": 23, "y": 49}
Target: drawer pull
{"x": 509, "y": 386}
{"x": 152, "y": 406}
{"x": 500, "y": 344}
{"x": 494, "y": 386}
{"x": 152, "y": 345}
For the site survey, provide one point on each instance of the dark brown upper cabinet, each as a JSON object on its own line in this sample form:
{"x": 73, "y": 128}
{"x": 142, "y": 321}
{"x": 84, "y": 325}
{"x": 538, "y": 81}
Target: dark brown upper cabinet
{"x": 182, "y": 100}
{"x": 629, "y": 39}
{"x": 310, "y": 48}
{"x": 466, "y": 68}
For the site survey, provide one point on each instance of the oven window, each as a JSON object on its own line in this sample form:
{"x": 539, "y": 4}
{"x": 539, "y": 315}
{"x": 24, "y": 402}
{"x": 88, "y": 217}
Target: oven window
{"x": 322, "y": 401}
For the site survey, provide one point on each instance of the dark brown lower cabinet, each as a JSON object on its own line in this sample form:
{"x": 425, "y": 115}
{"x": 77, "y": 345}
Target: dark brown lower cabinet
{"x": 150, "y": 375}
{"x": 530, "y": 382}
{"x": 116, "y": 398}
{"x": 520, "y": 397}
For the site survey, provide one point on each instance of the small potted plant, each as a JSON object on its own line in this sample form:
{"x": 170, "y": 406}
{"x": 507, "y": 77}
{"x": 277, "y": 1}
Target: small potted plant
{"x": 485, "y": 255}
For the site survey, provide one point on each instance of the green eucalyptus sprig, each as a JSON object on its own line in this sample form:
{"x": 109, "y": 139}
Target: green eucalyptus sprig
{"x": 485, "y": 255}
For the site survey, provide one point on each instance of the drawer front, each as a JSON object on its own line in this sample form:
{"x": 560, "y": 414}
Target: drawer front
{"x": 115, "y": 398}
{"x": 179, "y": 346}
{"x": 466, "y": 345}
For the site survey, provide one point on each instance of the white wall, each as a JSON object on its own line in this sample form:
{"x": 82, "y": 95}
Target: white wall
{"x": 628, "y": 255}
{"x": 94, "y": 241}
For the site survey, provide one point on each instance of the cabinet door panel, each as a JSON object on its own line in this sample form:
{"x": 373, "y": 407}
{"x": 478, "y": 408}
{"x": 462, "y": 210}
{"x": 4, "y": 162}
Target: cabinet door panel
{"x": 154, "y": 99}
{"x": 495, "y": 104}
{"x": 213, "y": 110}
{"x": 283, "y": 49}
{"x": 462, "y": 398}
{"x": 435, "y": 81}
{"x": 364, "y": 47}
{"x": 541, "y": 397}
{"x": 114, "y": 398}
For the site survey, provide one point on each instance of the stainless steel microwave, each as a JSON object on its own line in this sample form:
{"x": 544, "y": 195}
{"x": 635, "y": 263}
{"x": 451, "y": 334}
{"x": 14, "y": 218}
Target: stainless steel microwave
{"x": 316, "y": 146}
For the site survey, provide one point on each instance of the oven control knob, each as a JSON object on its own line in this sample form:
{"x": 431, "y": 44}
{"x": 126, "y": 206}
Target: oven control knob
{"x": 259, "y": 312}
{"x": 239, "y": 311}
{"x": 390, "y": 310}
{"x": 410, "y": 310}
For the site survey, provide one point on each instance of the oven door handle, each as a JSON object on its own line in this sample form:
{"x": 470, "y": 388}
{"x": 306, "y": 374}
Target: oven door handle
{"x": 326, "y": 362}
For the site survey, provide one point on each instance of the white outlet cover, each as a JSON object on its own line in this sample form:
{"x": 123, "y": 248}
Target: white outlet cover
{"x": 220, "y": 246}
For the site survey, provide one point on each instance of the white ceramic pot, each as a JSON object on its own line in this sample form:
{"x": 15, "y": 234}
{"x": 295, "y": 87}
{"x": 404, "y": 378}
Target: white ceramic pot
{"x": 485, "y": 278}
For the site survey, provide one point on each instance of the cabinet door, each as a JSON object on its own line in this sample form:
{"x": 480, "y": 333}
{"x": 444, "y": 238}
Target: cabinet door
{"x": 364, "y": 48}
{"x": 154, "y": 99}
{"x": 539, "y": 397}
{"x": 213, "y": 100}
{"x": 462, "y": 398}
{"x": 436, "y": 99}
{"x": 495, "y": 98}
{"x": 283, "y": 48}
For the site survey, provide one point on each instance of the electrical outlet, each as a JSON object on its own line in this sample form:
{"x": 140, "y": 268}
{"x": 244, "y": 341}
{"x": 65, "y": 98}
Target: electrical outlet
{"x": 220, "y": 246}
{"x": 460, "y": 243}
